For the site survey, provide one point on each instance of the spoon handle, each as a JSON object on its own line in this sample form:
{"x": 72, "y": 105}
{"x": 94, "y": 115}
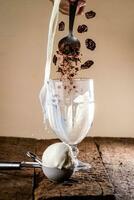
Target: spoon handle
{"x": 72, "y": 11}
{"x": 18, "y": 165}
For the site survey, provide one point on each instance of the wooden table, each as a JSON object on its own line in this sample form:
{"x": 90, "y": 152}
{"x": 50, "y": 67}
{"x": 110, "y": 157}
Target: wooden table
{"x": 98, "y": 183}
{"x": 93, "y": 184}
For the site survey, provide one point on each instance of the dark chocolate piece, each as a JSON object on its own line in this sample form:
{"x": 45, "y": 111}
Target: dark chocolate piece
{"x": 55, "y": 59}
{"x": 72, "y": 75}
{"x": 61, "y": 26}
{"x": 82, "y": 28}
{"x": 90, "y": 14}
{"x": 87, "y": 64}
{"x": 90, "y": 44}
{"x": 60, "y": 70}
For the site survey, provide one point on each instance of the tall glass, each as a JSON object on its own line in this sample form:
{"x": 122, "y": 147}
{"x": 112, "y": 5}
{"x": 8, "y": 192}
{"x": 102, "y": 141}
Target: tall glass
{"x": 70, "y": 113}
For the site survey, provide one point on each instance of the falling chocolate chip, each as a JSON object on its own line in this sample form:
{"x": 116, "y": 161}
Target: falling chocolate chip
{"x": 90, "y": 44}
{"x": 82, "y": 28}
{"x": 72, "y": 75}
{"x": 90, "y": 14}
{"x": 60, "y": 70}
{"x": 87, "y": 64}
{"x": 55, "y": 59}
{"x": 61, "y": 26}
{"x": 77, "y": 69}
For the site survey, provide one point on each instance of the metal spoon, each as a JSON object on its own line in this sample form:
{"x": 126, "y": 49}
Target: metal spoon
{"x": 23, "y": 164}
{"x": 34, "y": 157}
{"x": 70, "y": 45}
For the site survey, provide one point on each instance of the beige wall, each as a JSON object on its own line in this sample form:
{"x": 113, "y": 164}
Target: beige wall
{"x": 23, "y": 39}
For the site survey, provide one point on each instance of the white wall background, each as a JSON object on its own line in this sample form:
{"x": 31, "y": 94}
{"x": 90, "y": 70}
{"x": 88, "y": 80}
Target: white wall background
{"x": 23, "y": 39}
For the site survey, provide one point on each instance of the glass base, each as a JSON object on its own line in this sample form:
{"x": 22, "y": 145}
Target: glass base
{"x": 82, "y": 166}
{"x": 79, "y": 165}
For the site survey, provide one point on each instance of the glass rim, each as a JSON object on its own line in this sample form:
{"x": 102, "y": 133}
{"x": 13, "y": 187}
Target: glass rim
{"x": 76, "y": 79}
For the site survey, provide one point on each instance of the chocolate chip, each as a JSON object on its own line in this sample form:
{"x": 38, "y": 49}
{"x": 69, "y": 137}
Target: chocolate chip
{"x": 60, "y": 70}
{"x": 90, "y": 44}
{"x": 61, "y": 26}
{"x": 82, "y": 28}
{"x": 72, "y": 75}
{"x": 90, "y": 14}
{"x": 77, "y": 69}
{"x": 87, "y": 64}
{"x": 55, "y": 59}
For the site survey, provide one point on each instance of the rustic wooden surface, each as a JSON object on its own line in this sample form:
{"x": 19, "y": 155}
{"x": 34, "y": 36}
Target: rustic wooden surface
{"x": 93, "y": 184}
{"x": 118, "y": 157}
{"x": 16, "y": 184}
{"x": 115, "y": 156}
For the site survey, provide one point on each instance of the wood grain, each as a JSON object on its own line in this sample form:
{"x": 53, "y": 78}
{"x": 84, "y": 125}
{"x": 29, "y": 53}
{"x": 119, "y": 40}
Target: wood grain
{"x": 93, "y": 184}
{"x": 118, "y": 157}
{"x": 16, "y": 184}
{"x": 111, "y": 175}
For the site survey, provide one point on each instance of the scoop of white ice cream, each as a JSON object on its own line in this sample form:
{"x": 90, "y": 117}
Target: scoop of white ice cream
{"x": 58, "y": 155}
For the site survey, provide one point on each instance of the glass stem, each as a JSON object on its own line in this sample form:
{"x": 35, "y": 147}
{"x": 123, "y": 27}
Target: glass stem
{"x": 79, "y": 165}
{"x": 75, "y": 151}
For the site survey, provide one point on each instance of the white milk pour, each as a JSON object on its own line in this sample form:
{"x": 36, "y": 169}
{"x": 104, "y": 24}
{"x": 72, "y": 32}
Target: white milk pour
{"x": 50, "y": 42}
